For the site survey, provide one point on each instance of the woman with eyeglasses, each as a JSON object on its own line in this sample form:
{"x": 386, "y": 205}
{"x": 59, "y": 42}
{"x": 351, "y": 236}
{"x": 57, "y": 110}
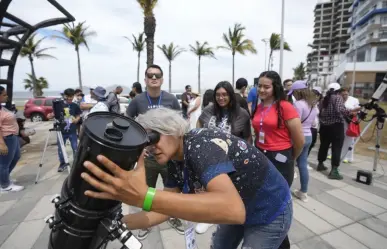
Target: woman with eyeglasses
{"x": 226, "y": 115}
{"x": 278, "y": 128}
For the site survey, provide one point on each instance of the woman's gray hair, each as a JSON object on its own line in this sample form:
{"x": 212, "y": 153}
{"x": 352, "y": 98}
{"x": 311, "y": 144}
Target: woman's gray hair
{"x": 165, "y": 121}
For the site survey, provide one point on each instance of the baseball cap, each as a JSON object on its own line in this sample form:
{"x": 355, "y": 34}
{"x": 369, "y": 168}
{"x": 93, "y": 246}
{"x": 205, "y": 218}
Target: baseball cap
{"x": 297, "y": 85}
{"x": 318, "y": 89}
{"x": 335, "y": 86}
{"x": 99, "y": 92}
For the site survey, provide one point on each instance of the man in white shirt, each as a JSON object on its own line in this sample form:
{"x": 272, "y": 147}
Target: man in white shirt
{"x": 88, "y": 102}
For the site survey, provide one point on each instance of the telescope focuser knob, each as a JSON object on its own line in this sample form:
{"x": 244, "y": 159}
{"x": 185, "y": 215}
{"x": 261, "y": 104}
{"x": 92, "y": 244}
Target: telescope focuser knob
{"x": 55, "y": 199}
{"x": 49, "y": 219}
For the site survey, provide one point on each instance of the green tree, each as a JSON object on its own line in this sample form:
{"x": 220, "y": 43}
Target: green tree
{"x": 76, "y": 35}
{"x": 236, "y": 43}
{"x": 138, "y": 44}
{"x": 299, "y": 71}
{"x": 171, "y": 52}
{"x": 31, "y": 50}
{"x": 275, "y": 45}
{"x": 149, "y": 28}
{"x": 202, "y": 50}
{"x": 40, "y": 84}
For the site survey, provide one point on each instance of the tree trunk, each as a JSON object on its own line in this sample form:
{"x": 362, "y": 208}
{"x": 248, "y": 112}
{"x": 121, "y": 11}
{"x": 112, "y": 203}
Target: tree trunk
{"x": 138, "y": 66}
{"x": 233, "y": 69}
{"x": 79, "y": 69}
{"x": 170, "y": 76}
{"x": 199, "y": 75}
{"x": 149, "y": 30}
{"x": 34, "y": 90}
{"x": 270, "y": 57}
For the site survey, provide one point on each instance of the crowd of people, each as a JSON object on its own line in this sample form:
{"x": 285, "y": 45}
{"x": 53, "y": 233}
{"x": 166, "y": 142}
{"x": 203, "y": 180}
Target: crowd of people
{"x": 236, "y": 150}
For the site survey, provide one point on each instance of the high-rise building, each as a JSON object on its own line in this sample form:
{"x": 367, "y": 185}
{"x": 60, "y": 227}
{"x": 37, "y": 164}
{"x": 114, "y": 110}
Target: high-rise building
{"x": 367, "y": 53}
{"x": 331, "y": 24}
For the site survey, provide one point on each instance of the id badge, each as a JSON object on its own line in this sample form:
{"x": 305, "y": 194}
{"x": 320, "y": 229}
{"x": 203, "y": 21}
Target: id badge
{"x": 189, "y": 234}
{"x": 261, "y": 137}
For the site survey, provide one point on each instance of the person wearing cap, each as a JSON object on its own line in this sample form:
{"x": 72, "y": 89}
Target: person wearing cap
{"x": 113, "y": 102}
{"x": 88, "y": 102}
{"x": 306, "y": 108}
{"x": 194, "y": 110}
{"x": 332, "y": 113}
{"x": 98, "y": 94}
{"x": 317, "y": 91}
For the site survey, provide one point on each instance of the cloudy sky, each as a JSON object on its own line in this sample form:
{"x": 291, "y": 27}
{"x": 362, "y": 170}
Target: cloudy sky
{"x": 111, "y": 59}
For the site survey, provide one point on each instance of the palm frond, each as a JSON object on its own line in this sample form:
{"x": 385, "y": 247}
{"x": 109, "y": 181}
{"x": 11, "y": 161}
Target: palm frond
{"x": 235, "y": 41}
{"x": 147, "y": 6}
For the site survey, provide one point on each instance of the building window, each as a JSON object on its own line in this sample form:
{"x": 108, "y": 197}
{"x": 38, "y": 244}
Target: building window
{"x": 361, "y": 55}
{"x": 383, "y": 19}
{"x": 384, "y": 4}
{"x": 383, "y": 34}
{"x": 381, "y": 53}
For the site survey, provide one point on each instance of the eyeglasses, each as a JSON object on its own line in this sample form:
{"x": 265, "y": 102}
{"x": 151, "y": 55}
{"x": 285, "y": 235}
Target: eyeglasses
{"x": 221, "y": 95}
{"x": 151, "y": 75}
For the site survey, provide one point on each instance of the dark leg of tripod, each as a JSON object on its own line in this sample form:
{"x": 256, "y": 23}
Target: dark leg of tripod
{"x": 379, "y": 128}
{"x": 44, "y": 152}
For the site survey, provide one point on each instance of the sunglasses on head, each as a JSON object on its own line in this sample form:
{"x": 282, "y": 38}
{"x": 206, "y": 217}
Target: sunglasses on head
{"x": 157, "y": 75}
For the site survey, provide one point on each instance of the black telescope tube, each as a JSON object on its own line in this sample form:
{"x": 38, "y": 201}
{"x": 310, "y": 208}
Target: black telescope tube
{"x": 77, "y": 216}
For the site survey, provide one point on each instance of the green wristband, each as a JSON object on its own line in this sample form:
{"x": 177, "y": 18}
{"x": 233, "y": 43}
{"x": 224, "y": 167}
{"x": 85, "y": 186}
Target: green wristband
{"x": 150, "y": 195}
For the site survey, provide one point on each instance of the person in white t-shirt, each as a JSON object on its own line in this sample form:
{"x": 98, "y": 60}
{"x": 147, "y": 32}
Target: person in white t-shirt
{"x": 351, "y": 103}
{"x": 98, "y": 94}
{"x": 87, "y": 103}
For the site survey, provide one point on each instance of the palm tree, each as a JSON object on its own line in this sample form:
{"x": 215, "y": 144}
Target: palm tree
{"x": 76, "y": 35}
{"x": 149, "y": 28}
{"x": 202, "y": 50}
{"x": 299, "y": 71}
{"x": 235, "y": 42}
{"x": 171, "y": 52}
{"x": 138, "y": 44}
{"x": 35, "y": 84}
{"x": 275, "y": 45}
{"x": 30, "y": 50}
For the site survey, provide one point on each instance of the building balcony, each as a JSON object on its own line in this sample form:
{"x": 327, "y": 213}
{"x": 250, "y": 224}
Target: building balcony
{"x": 345, "y": 66}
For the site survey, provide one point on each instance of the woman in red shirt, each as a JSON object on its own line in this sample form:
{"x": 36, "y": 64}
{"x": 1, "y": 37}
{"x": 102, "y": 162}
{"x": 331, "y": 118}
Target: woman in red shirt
{"x": 278, "y": 128}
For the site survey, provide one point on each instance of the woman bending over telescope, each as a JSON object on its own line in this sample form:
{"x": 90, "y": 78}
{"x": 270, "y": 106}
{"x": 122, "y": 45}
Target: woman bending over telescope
{"x": 244, "y": 193}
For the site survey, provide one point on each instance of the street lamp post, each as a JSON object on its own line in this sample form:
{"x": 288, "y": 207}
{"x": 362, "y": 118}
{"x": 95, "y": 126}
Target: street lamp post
{"x": 266, "y": 41}
{"x": 282, "y": 40}
{"x": 354, "y": 69}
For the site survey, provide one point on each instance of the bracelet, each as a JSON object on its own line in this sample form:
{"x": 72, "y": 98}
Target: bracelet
{"x": 150, "y": 195}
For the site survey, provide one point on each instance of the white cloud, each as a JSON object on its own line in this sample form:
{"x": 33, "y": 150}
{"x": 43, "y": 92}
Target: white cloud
{"x": 112, "y": 61}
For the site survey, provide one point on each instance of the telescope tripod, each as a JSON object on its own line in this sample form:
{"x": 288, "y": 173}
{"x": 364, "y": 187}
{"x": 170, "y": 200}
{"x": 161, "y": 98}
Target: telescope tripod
{"x": 61, "y": 145}
{"x": 380, "y": 120}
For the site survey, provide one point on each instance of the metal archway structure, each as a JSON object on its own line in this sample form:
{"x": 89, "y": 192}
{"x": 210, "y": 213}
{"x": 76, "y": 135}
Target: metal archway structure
{"x": 14, "y": 35}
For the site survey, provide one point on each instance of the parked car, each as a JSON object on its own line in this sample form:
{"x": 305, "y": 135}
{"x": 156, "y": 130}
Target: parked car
{"x": 178, "y": 96}
{"x": 37, "y": 109}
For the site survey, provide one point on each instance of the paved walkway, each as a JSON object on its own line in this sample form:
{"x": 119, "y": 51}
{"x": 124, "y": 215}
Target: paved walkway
{"x": 340, "y": 214}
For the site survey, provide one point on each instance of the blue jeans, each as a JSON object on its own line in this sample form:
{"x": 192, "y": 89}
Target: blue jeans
{"x": 302, "y": 164}
{"x": 74, "y": 145}
{"x": 8, "y": 162}
{"x": 268, "y": 236}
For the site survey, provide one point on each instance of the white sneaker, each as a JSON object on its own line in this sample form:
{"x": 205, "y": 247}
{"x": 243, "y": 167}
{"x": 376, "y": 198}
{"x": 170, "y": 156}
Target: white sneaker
{"x": 202, "y": 227}
{"x": 309, "y": 168}
{"x": 295, "y": 175}
{"x": 300, "y": 195}
{"x": 12, "y": 188}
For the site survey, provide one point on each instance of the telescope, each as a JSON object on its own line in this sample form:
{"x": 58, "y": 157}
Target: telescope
{"x": 82, "y": 222}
